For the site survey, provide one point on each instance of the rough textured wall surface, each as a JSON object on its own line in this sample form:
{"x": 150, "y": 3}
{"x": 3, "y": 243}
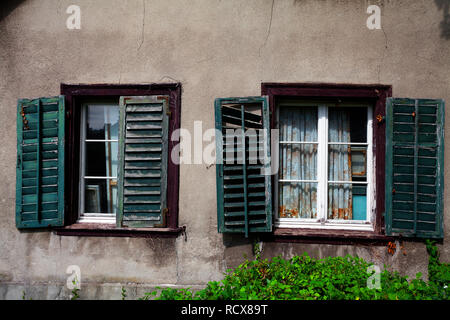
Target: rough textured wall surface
{"x": 215, "y": 49}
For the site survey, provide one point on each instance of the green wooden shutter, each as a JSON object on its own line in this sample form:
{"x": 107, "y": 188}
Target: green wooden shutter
{"x": 143, "y": 154}
{"x": 244, "y": 195}
{"x": 40, "y": 163}
{"x": 414, "y": 167}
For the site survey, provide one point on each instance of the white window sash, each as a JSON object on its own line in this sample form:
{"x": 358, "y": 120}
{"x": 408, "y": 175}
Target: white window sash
{"x": 322, "y": 163}
{"x": 84, "y": 217}
{"x": 321, "y": 222}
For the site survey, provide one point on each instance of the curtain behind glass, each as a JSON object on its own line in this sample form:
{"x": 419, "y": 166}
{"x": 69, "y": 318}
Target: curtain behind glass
{"x": 298, "y": 162}
{"x": 339, "y": 165}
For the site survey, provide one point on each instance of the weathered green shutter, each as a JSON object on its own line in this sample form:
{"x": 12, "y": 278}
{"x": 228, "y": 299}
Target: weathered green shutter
{"x": 143, "y": 154}
{"x": 414, "y": 167}
{"x": 40, "y": 163}
{"x": 244, "y": 197}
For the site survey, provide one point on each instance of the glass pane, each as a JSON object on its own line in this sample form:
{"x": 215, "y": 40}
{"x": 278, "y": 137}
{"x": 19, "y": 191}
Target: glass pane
{"x": 102, "y": 122}
{"x": 347, "y": 201}
{"x": 101, "y": 159}
{"x": 347, "y": 124}
{"x": 298, "y": 200}
{"x": 359, "y": 162}
{"x": 100, "y": 196}
{"x": 298, "y": 124}
{"x": 298, "y": 161}
{"x": 347, "y": 162}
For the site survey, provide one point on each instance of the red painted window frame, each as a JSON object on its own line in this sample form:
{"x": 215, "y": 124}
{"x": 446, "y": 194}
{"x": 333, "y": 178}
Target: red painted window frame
{"x": 372, "y": 92}
{"x": 74, "y": 94}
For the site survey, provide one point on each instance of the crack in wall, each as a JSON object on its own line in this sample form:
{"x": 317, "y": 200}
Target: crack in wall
{"x": 143, "y": 26}
{"x": 269, "y": 28}
{"x": 386, "y": 41}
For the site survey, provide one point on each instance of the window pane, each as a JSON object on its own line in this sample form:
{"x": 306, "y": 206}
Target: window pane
{"x": 101, "y": 159}
{"x": 298, "y": 162}
{"x": 359, "y": 162}
{"x": 347, "y": 162}
{"x": 347, "y": 124}
{"x": 298, "y": 124}
{"x": 100, "y": 196}
{"x": 298, "y": 200}
{"x": 102, "y": 122}
{"x": 347, "y": 201}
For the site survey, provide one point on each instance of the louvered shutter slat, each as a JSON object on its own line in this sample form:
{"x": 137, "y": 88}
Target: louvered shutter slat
{"x": 40, "y": 163}
{"x": 243, "y": 191}
{"x": 415, "y": 164}
{"x": 143, "y": 152}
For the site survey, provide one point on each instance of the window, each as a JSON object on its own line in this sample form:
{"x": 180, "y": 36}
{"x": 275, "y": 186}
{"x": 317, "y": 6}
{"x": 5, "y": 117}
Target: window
{"x": 99, "y": 131}
{"x": 325, "y": 178}
{"x": 95, "y": 160}
{"x": 353, "y": 164}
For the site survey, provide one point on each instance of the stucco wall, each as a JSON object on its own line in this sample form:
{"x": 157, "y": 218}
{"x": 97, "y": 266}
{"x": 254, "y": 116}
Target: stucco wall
{"x": 215, "y": 49}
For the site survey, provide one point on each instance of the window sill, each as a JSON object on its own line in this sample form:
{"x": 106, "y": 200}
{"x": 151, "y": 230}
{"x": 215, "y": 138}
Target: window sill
{"x": 346, "y": 237}
{"x": 110, "y": 230}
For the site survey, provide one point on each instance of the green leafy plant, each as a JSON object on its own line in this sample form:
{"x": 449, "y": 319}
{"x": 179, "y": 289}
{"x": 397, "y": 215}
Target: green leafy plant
{"x": 75, "y": 290}
{"x": 24, "y": 296}
{"x": 438, "y": 272}
{"x": 305, "y": 278}
{"x": 124, "y": 293}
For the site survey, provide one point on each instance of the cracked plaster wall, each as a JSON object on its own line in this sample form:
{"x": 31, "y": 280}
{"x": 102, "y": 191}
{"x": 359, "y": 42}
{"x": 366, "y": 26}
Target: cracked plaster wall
{"x": 215, "y": 49}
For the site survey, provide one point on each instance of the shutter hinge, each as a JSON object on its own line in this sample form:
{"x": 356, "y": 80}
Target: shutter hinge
{"x": 24, "y": 119}
{"x": 169, "y": 113}
{"x": 165, "y": 211}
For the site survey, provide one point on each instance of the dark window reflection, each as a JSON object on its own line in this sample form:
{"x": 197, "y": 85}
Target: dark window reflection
{"x": 99, "y": 118}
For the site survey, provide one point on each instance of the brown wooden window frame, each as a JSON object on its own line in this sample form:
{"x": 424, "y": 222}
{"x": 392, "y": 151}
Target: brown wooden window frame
{"x": 74, "y": 95}
{"x": 375, "y": 93}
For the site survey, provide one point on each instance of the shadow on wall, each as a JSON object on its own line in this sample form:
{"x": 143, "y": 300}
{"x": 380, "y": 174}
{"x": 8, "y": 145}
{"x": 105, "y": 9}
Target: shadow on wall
{"x": 236, "y": 239}
{"x": 444, "y": 5}
{"x": 6, "y": 7}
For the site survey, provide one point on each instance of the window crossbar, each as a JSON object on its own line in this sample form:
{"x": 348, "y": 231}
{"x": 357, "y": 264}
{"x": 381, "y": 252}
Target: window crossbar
{"x": 98, "y": 177}
{"x": 101, "y": 140}
{"x": 350, "y": 143}
{"x": 295, "y": 180}
{"x": 347, "y": 182}
{"x": 299, "y": 142}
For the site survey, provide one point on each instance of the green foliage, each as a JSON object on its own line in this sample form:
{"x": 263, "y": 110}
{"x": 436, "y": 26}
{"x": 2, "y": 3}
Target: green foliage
{"x": 24, "y": 296}
{"x": 305, "y": 278}
{"x": 438, "y": 272}
{"x": 170, "y": 294}
{"x": 75, "y": 290}
{"x": 124, "y": 293}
